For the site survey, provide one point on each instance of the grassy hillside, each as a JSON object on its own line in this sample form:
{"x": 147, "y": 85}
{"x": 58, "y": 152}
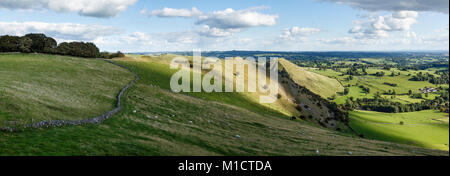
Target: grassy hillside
{"x": 36, "y": 87}
{"x": 156, "y": 121}
{"x": 157, "y": 71}
{"x": 319, "y": 84}
{"x": 423, "y": 128}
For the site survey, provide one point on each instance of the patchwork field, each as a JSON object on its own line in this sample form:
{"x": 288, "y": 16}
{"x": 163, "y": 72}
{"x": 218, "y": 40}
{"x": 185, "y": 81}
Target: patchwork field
{"x": 377, "y": 84}
{"x": 156, "y": 121}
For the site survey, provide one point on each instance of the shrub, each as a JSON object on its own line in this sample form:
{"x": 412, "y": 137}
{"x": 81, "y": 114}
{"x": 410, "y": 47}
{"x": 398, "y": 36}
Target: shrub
{"x": 40, "y": 43}
{"x": 79, "y": 49}
{"x": 108, "y": 55}
{"x": 299, "y": 108}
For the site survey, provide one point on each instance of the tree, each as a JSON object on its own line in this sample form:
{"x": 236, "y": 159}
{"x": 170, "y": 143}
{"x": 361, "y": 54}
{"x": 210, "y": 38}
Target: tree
{"x": 25, "y": 44}
{"x": 346, "y": 91}
{"x": 79, "y": 49}
{"x": 9, "y": 43}
{"x": 42, "y": 43}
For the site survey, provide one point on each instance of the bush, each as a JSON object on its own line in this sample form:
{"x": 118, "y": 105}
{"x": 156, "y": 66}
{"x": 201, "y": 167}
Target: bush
{"x": 79, "y": 49}
{"x": 108, "y": 55}
{"x": 299, "y": 108}
{"x": 40, "y": 43}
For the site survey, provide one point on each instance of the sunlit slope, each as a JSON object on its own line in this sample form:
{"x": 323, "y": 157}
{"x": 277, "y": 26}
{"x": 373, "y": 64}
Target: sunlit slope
{"x": 158, "y": 70}
{"x": 423, "y": 128}
{"x": 318, "y": 84}
{"x": 36, "y": 87}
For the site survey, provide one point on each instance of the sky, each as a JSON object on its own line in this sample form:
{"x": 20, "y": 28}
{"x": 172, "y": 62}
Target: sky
{"x": 215, "y": 25}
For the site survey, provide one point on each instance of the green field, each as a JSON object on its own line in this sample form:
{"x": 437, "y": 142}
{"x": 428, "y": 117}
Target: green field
{"x": 424, "y": 128}
{"x": 36, "y": 87}
{"x": 186, "y": 125}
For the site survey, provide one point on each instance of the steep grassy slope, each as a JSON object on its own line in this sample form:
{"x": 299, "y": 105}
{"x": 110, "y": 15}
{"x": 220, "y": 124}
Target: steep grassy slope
{"x": 319, "y": 84}
{"x": 245, "y": 99}
{"x": 36, "y": 87}
{"x": 186, "y": 125}
{"x": 423, "y": 128}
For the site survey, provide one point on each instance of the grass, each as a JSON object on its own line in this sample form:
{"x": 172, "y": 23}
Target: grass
{"x": 424, "y": 128}
{"x": 188, "y": 125}
{"x": 319, "y": 84}
{"x": 36, "y": 87}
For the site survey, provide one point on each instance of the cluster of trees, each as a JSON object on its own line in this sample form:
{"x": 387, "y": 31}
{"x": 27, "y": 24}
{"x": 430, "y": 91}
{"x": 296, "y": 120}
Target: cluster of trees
{"x": 390, "y": 84}
{"x": 443, "y": 77}
{"x": 365, "y": 89}
{"x": 79, "y": 49}
{"x": 355, "y": 71}
{"x": 346, "y": 91}
{"x": 39, "y": 43}
{"x": 379, "y": 74}
{"x": 390, "y": 92}
{"x": 384, "y": 105}
{"x": 108, "y": 55}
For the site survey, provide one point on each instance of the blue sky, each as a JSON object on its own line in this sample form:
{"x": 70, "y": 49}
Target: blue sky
{"x": 183, "y": 25}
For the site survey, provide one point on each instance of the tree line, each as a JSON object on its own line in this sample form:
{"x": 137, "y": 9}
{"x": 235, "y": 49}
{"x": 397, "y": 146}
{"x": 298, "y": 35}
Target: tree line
{"x": 384, "y": 105}
{"x": 40, "y": 43}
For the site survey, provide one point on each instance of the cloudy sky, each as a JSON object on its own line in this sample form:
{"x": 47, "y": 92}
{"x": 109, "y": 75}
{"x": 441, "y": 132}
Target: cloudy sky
{"x": 269, "y": 25}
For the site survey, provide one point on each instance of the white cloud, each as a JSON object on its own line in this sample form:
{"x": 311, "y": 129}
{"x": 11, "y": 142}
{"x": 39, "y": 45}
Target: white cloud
{"x": 397, "y": 5}
{"x": 339, "y": 41}
{"x": 380, "y": 26}
{"x": 232, "y": 19}
{"x": 298, "y": 33}
{"x": 138, "y": 38}
{"x": 92, "y": 8}
{"x": 216, "y": 32}
{"x": 219, "y": 24}
{"x": 66, "y": 31}
{"x": 170, "y": 12}
{"x": 441, "y": 36}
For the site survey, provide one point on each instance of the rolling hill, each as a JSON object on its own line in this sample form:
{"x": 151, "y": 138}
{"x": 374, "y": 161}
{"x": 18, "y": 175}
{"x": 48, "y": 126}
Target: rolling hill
{"x": 36, "y": 87}
{"x": 157, "y": 121}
